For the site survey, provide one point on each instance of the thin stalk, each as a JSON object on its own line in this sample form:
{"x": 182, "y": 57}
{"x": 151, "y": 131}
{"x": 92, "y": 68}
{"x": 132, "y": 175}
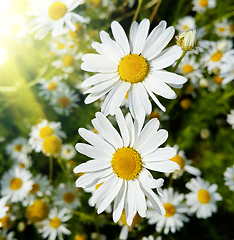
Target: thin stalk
{"x": 155, "y": 11}
{"x": 137, "y": 10}
{"x": 51, "y": 168}
{"x": 63, "y": 169}
{"x": 83, "y": 215}
{"x": 170, "y": 181}
{"x": 179, "y": 60}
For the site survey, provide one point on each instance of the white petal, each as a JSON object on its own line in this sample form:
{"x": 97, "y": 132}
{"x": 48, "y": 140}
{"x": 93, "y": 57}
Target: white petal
{"x": 131, "y": 128}
{"x": 160, "y": 154}
{"x": 144, "y": 98}
{"x": 132, "y": 35}
{"x": 164, "y": 166}
{"x": 92, "y": 166}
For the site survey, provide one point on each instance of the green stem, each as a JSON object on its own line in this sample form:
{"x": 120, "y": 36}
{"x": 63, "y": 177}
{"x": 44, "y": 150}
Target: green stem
{"x": 179, "y": 60}
{"x": 137, "y": 10}
{"x": 170, "y": 181}
{"x": 96, "y": 227}
{"x": 155, "y": 11}
{"x": 83, "y": 216}
{"x": 51, "y": 167}
{"x": 63, "y": 169}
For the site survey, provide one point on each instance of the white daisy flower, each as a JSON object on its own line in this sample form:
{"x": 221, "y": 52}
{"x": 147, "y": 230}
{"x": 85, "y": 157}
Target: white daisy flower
{"x": 53, "y": 15}
{"x": 202, "y": 198}
{"x": 121, "y": 163}
{"x": 135, "y": 66}
{"x": 25, "y": 162}
{"x": 67, "y": 151}
{"x": 222, "y": 28}
{"x": 184, "y": 163}
{"x": 229, "y": 177}
{"x": 3, "y": 207}
{"x": 54, "y": 227}
{"x": 185, "y": 24}
{"x": 230, "y": 118}
{"x": 66, "y": 195}
{"x": 227, "y": 72}
{"x": 6, "y": 235}
{"x": 16, "y": 184}
{"x": 131, "y": 3}
{"x": 64, "y": 101}
{"x": 2, "y": 139}
{"x": 61, "y": 46}
{"x": 18, "y": 148}
{"x": 43, "y": 130}
{"x": 175, "y": 217}
{"x": 49, "y": 87}
{"x": 202, "y": 5}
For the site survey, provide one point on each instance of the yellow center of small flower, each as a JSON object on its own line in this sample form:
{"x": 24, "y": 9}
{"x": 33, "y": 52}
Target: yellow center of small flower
{"x": 22, "y": 165}
{"x": 218, "y": 79}
{"x": 35, "y": 188}
{"x": 216, "y": 56}
{"x": 38, "y": 211}
{"x": 203, "y": 3}
{"x": 80, "y": 237}
{"x": 4, "y": 221}
{"x": 170, "y": 209}
{"x": 187, "y": 68}
{"x": 16, "y": 183}
{"x": 185, "y": 27}
{"x": 126, "y": 163}
{"x": 68, "y": 151}
{"x": 68, "y": 61}
{"x": 135, "y": 220}
{"x": 57, "y": 10}
{"x": 221, "y": 29}
{"x": 64, "y": 101}
{"x": 154, "y": 114}
{"x": 203, "y": 196}
{"x": 69, "y": 197}
{"x": 46, "y": 132}
{"x": 133, "y": 68}
{"x": 52, "y": 145}
{"x": 179, "y": 160}
{"x": 60, "y": 46}
{"x": 185, "y": 103}
{"x": 96, "y": 3}
{"x": 55, "y": 222}
{"x": 15, "y": 29}
{"x": 52, "y": 86}
{"x": 18, "y": 147}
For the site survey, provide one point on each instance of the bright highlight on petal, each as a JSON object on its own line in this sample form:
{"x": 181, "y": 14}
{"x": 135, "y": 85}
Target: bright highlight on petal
{"x": 57, "y": 10}
{"x": 203, "y": 196}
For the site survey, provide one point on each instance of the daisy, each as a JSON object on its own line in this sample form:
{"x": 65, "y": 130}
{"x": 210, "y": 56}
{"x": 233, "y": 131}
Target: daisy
{"x": 7, "y": 235}
{"x": 175, "y": 212}
{"x": 222, "y": 28}
{"x": 227, "y": 72}
{"x": 25, "y": 162}
{"x": 64, "y": 101}
{"x": 16, "y": 184}
{"x": 202, "y": 198}
{"x": 185, "y": 24}
{"x": 229, "y": 177}
{"x": 61, "y": 46}
{"x": 184, "y": 163}
{"x": 67, "y": 151}
{"x": 135, "y": 66}
{"x": 230, "y": 118}
{"x": 52, "y": 15}
{"x": 18, "y": 148}
{"x": 3, "y": 207}
{"x": 66, "y": 195}
{"x": 42, "y": 131}
{"x": 202, "y": 5}
{"x": 55, "y": 226}
{"x": 121, "y": 163}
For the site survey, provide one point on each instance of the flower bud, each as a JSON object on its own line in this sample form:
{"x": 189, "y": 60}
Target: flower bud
{"x": 187, "y": 40}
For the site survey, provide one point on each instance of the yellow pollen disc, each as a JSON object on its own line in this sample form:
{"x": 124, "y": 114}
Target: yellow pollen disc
{"x": 203, "y": 196}
{"x": 154, "y": 114}
{"x": 185, "y": 27}
{"x": 187, "y": 68}
{"x": 80, "y": 237}
{"x": 16, "y": 183}
{"x": 61, "y": 46}
{"x": 133, "y": 68}
{"x": 68, "y": 61}
{"x": 38, "y": 211}
{"x": 64, "y": 101}
{"x": 203, "y": 3}
{"x": 218, "y": 79}
{"x": 221, "y": 29}
{"x": 216, "y": 56}
{"x": 179, "y": 160}
{"x": 55, "y": 222}
{"x": 15, "y": 29}
{"x": 185, "y": 103}
{"x": 18, "y": 147}
{"x": 52, "y": 86}
{"x": 170, "y": 209}
{"x": 135, "y": 220}
{"x": 22, "y": 165}
{"x": 35, "y": 188}
{"x": 46, "y": 132}
{"x": 52, "y": 145}
{"x": 69, "y": 197}
{"x": 57, "y": 10}
{"x": 68, "y": 151}
{"x": 190, "y": 88}
{"x": 4, "y": 221}
{"x": 126, "y": 163}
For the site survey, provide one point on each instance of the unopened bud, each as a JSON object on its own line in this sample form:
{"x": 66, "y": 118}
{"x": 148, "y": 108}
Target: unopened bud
{"x": 187, "y": 40}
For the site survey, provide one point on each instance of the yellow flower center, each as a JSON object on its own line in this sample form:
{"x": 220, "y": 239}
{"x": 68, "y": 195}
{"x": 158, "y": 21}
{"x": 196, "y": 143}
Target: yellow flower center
{"x": 55, "y": 222}
{"x": 203, "y": 196}
{"x": 46, "y": 132}
{"x": 69, "y": 197}
{"x": 221, "y": 29}
{"x": 203, "y": 3}
{"x": 185, "y": 103}
{"x": 68, "y": 151}
{"x": 60, "y": 46}
{"x": 170, "y": 209}
{"x": 80, "y": 237}
{"x": 35, "y": 188}
{"x": 18, "y": 147}
{"x": 68, "y": 61}
{"x": 38, "y": 211}
{"x": 52, "y": 86}
{"x": 154, "y": 114}
{"x": 133, "y": 68}
{"x": 16, "y": 183}
{"x": 22, "y": 165}
{"x": 135, "y": 220}
{"x": 96, "y": 3}
{"x": 179, "y": 160}
{"x": 187, "y": 68}
{"x": 64, "y": 101}
{"x": 57, "y": 10}
{"x": 218, "y": 79}
{"x": 126, "y": 163}
{"x": 216, "y": 56}
{"x": 15, "y": 29}
{"x": 190, "y": 88}
{"x": 185, "y": 27}
{"x": 52, "y": 145}
{"x": 4, "y": 221}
